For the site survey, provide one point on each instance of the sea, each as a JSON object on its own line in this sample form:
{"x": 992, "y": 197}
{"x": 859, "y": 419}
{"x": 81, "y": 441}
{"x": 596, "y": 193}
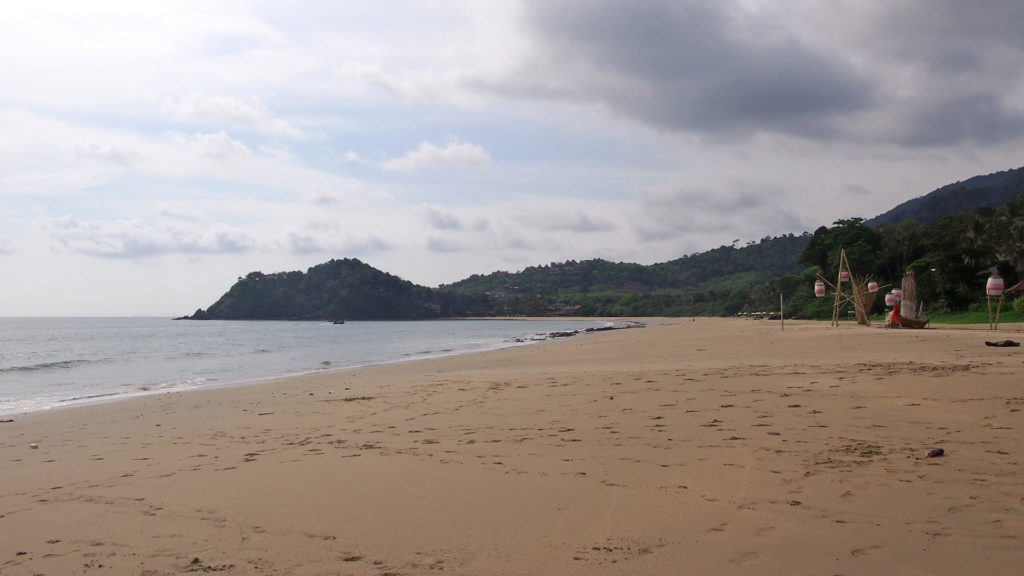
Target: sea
{"x": 47, "y": 363}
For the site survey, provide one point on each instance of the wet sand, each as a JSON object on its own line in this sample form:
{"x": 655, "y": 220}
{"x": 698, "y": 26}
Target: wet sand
{"x": 715, "y": 446}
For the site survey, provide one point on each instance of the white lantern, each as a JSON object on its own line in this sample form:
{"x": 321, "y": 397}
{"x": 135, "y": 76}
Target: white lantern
{"x": 819, "y": 289}
{"x": 872, "y": 286}
{"x": 890, "y": 299}
{"x": 898, "y": 294}
{"x": 844, "y": 275}
{"x": 994, "y": 286}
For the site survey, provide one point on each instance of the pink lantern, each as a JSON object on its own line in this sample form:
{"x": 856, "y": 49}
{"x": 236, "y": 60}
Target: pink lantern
{"x": 844, "y": 275}
{"x": 819, "y": 289}
{"x": 898, "y": 294}
{"x": 872, "y": 286}
{"x": 994, "y": 286}
{"x": 890, "y": 300}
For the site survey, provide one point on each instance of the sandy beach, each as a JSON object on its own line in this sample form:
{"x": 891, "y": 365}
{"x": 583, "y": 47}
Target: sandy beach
{"x": 713, "y": 446}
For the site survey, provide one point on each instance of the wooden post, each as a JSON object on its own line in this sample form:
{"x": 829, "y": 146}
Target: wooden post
{"x": 999, "y": 307}
{"x": 782, "y": 314}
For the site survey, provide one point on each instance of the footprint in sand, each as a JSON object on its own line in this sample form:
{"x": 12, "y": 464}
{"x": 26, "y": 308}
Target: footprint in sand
{"x": 745, "y": 559}
{"x": 858, "y": 552}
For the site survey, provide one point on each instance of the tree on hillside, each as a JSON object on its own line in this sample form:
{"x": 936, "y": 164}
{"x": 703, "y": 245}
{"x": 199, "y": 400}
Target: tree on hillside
{"x": 862, "y": 245}
{"x": 902, "y": 244}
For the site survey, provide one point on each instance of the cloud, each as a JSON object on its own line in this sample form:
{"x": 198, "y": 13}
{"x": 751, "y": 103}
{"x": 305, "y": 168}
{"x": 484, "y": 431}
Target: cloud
{"x": 951, "y": 119}
{"x": 110, "y": 154}
{"x": 437, "y": 244}
{"x": 712, "y": 68}
{"x": 914, "y": 74}
{"x": 225, "y": 110}
{"x": 5, "y": 247}
{"x": 568, "y": 221}
{"x": 348, "y": 193}
{"x": 179, "y": 211}
{"x": 744, "y": 210}
{"x": 215, "y": 146}
{"x": 441, "y": 220}
{"x": 328, "y": 237}
{"x": 454, "y": 153}
{"x": 136, "y": 239}
{"x": 410, "y": 85}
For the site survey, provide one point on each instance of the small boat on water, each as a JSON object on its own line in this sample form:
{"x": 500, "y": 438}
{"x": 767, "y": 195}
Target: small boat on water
{"x": 339, "y": 321}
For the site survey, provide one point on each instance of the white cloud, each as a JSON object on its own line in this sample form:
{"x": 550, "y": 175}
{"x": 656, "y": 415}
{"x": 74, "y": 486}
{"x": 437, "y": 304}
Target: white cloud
{"x": 454, "y": 153}
{"x": 351, "y": 193}
{"x": 179, "y": 211}
{"x": 215, "y": 146}
{"x": 137, "y": 239}
{"x": 329, "y": 240}
{"x": 225, "y": 110}
{"x": 112, "y": 154}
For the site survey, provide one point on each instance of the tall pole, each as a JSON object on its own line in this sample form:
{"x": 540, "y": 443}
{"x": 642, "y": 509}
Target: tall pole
{"x": 839, "y": 286}
{"x": 782, "y": 314}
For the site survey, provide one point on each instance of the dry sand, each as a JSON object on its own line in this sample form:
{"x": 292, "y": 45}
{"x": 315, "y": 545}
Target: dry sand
{"x": 687, "y": 447}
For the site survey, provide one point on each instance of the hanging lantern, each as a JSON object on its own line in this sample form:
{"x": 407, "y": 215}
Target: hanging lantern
{"x": 994, "y": 286}
{"x": 819, "y": 289}
{"x": 872, "y": 286}
{"x": 898, "y": 293}
{"x": 890, "y": 300}
{"x": 844, "y": 275}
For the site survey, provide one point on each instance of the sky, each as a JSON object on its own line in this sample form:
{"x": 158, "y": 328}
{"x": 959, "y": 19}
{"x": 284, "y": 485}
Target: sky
{"x": 153, "y": 152}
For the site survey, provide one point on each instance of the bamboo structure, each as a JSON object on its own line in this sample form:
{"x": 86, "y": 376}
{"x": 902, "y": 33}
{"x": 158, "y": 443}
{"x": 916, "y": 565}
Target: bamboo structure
{"x": 866, "y": 299}
{"x": 861, "y": 298}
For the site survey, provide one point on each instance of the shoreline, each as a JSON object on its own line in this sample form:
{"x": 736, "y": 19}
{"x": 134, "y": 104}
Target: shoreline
{"x": 184, "y": 384}
{"x": 723, "y": 445}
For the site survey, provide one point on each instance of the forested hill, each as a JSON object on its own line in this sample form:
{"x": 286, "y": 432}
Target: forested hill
{"x": 989, "y": 191}
{"x": 757, "y": 261}
{"x": 334, "y": 290}
{"x": 711, "y": 283}
{"x": 350, "y": 289}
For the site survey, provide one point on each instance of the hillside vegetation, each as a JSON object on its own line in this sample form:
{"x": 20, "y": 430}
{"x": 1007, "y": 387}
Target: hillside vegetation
{"x": 951, "y": 254}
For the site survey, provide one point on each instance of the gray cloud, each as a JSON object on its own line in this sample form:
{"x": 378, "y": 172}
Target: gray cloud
{"x": 136, "y": 239}
{"x": 690, "y": 66}
{"x": 914, "y": 73}
{"x": 742, "y": 211}
{"x": 570, "y": 221}
{"x": 316, "y": 239}
{"x": 436, "y": 244}
{"x": 441, "y": 220}
{"x": 945, "y": 36}
{"x": 950, "y": 119}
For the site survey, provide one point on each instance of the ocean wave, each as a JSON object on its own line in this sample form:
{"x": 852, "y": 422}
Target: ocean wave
{"x": 54, "y": 365}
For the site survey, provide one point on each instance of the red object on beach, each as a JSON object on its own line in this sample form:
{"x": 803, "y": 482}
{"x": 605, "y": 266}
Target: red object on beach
{"x": 819, "y": 289}
{"x": 844, "y": 276}
{"x": 994, "y": 286}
